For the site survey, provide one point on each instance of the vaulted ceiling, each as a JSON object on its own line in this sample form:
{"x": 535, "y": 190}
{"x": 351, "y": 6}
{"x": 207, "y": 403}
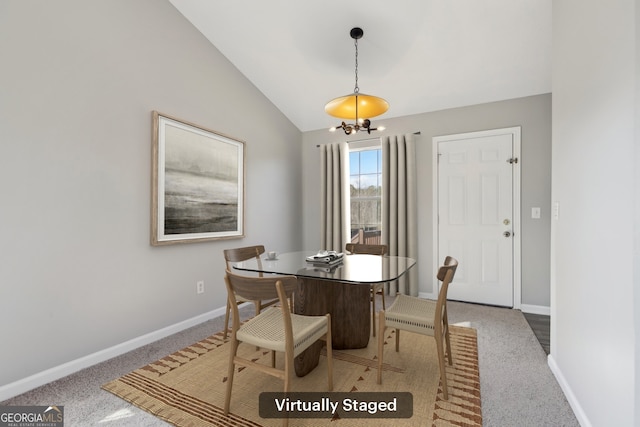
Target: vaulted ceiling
{"x": 420, "y": 55}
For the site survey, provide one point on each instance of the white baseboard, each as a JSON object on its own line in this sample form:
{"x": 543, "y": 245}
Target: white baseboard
{"x": 21, "y": 386}
{"x": 535, "y": 309}
{"x": 428, "y": 295}
{"x": 571, "y": 398}
{"x": 525, "y": 308}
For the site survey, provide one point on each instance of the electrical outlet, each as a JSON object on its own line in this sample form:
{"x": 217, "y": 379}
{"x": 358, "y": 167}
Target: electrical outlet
{"x": 200, "y": 287}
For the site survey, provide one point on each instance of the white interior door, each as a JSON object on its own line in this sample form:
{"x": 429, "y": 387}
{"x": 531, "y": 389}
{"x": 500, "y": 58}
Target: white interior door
{"x": 477, "y": 222}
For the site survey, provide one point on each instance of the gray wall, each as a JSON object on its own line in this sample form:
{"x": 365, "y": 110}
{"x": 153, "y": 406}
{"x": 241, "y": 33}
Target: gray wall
{"x": 595, "y": 257}
{"x": 533, "y": 114}
{"x": 78, "y": 83}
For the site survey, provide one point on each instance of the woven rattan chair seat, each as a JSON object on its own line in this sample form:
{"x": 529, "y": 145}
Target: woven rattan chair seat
{"x": 411, "y": 314}
{"x": 265, "y": 330}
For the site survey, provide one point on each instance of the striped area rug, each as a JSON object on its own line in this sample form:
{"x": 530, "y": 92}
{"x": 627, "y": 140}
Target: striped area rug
{"x": 187, "y": 388}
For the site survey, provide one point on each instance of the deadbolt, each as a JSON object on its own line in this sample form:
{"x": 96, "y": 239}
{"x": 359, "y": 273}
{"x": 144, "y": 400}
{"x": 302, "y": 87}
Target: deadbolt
{"x": 506, "y": 221}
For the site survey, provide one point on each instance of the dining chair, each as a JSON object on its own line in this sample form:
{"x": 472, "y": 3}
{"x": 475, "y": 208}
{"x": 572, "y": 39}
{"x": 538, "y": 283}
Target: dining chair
{"x": 243, "y": 254}
{"x": 275, "y": 329}
{"x": 378, "y": 288}
{"x": 422, "y": 316}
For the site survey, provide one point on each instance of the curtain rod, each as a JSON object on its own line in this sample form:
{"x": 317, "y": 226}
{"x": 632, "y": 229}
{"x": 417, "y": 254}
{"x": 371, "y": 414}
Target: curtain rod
{"x": 368, "y": 139}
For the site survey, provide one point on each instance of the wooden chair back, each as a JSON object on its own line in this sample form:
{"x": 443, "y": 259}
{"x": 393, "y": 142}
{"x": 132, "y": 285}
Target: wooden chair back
{"x": 259, "y": 288}
{"x": 450, "y": 263}
{"x": 254, "y": 288}
{"x": 243, "y": 254}
{"x": 359, "y": 248}
{"x": 445, "y": 275}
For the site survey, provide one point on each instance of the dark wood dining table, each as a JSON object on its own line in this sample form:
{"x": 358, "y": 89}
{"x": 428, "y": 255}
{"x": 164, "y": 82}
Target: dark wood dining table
{"x": 342, "y": 290}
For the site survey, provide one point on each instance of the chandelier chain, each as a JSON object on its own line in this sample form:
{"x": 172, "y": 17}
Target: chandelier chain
{"x": 356, "y": 89}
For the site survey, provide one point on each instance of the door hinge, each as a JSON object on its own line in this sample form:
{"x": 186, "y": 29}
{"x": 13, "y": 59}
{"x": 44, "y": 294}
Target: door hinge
{"x": 512, "y": 160}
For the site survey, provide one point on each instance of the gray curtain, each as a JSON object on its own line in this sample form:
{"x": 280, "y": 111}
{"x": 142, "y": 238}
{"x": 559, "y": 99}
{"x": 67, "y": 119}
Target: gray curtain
{"x": 335, "y": 206}
{"x": 399, "y": 206}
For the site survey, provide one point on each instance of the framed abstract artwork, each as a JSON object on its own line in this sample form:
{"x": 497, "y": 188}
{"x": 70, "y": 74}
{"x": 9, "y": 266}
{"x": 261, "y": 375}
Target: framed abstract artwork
{"x": 198, "y": 183}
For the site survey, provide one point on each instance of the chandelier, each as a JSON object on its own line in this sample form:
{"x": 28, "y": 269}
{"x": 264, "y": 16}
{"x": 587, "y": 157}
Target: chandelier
{"x": 356, "y": 106}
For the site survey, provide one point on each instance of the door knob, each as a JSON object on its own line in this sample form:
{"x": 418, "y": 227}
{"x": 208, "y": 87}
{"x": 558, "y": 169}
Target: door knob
{"x": 507, "y": 234}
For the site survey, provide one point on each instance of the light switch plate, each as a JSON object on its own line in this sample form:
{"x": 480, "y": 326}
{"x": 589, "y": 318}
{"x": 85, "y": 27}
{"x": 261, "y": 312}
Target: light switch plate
{"x": 535, "y": 213}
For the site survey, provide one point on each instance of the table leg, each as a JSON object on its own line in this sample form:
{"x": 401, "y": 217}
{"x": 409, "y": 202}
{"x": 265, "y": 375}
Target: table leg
{"x": 312, "y": 301}
{"x": 350, "y": 316}
{"x": 350, "y": 309}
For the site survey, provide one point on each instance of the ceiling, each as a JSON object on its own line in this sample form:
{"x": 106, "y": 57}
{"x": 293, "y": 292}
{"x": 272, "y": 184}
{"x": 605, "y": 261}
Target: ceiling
{"x": 419, "y": 55}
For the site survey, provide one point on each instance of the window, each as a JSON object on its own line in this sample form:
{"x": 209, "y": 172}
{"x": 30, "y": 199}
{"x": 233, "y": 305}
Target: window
{"x": 365, "y": 169}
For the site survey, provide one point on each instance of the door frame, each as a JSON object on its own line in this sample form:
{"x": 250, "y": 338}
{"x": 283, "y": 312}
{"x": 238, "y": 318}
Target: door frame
{"x": 517, "y": 219}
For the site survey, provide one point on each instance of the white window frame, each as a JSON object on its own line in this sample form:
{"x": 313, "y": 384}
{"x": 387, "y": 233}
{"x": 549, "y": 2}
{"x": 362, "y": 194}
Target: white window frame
{"x": 364, "y": 145}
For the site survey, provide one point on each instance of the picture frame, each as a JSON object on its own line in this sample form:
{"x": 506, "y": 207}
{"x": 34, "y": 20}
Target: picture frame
{"x": 198, "y": 183}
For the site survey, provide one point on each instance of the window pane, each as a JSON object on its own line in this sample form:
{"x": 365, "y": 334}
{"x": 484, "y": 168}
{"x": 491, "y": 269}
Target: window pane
{"x": 354, "y": 163}
{"x": 355, "y": 215}
{"x": 369, "y": 161}
{"x": 355, "y": 185}
{"x": 369, "y": 185}
{"x": 369, "y": 213}
{"x": 366, "y": 192}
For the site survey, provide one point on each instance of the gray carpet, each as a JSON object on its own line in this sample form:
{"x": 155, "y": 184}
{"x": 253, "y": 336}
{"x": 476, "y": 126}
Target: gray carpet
{"x": 517, "y": 386}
